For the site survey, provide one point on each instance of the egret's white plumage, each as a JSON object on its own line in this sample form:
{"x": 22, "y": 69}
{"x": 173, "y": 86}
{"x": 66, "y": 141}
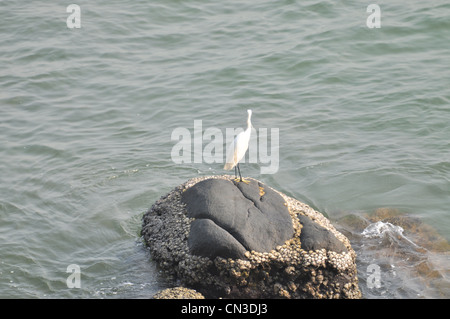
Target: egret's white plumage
{"x": 239, "y": 146}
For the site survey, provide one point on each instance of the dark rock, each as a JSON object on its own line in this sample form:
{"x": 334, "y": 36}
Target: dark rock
{"x": 208, "y": 239}
{"x": 315, "y": 237}
{"x": 231, "y": 218}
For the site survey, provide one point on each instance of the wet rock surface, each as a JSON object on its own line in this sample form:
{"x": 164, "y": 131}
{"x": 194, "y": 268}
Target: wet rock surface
{"x": 286, "y": 268}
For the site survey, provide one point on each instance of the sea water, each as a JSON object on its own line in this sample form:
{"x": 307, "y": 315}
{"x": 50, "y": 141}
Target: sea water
{"x": 89, "y": 100}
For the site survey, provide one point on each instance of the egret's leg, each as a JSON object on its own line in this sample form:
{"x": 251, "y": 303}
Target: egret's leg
{"x": 240, "y": 179}
{"x": 236, "y": 179}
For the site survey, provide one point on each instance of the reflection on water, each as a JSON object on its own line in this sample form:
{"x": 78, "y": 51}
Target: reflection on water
{"x": 398, "y": 256}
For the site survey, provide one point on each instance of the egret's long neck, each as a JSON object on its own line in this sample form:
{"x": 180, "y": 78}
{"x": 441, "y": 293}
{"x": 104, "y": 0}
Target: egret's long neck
{"x": 249, "y": 123}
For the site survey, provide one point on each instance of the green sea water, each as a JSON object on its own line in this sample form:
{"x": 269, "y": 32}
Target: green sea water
{"x": 87, "y": 116}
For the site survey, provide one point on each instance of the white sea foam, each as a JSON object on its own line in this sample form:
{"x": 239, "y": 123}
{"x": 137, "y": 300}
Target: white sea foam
{"x": 381, "y": 229}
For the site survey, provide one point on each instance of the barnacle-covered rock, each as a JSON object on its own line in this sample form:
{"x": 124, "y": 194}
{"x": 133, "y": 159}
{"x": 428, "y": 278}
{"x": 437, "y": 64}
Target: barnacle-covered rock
{"x": 178, "y": 293}
{"x": 321, "y": 267}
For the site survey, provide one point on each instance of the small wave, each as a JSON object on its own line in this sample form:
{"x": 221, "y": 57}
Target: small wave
{"x": 381, "y": 229}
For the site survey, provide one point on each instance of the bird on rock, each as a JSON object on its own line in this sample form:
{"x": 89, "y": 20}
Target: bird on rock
{"x": 238, "y": 148}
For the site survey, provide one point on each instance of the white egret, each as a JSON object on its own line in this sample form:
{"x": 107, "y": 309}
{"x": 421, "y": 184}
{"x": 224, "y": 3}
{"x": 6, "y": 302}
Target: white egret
{"x": 237, "y": 149}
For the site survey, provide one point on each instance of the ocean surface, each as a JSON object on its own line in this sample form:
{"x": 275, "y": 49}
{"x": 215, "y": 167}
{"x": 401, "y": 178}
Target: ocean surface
{"x": 88, "y": 118}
